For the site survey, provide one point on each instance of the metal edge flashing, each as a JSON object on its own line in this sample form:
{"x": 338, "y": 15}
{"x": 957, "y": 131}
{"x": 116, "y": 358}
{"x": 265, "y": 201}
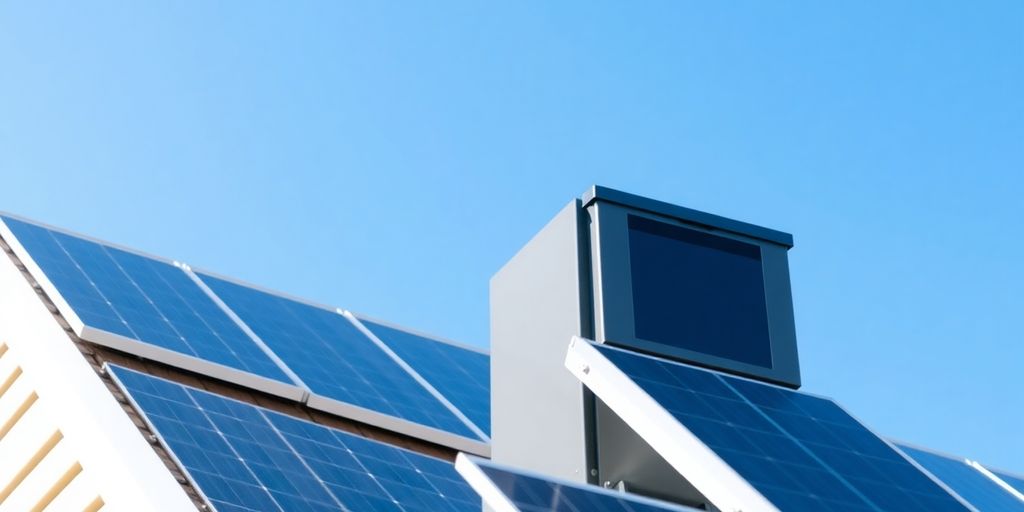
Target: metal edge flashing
{"x": 709, "y": 220}
{"x": 423, "y": 334}
{"x": 47, "y": 286}
{"x": 159, "y": 438}
{"x": 415, "y": 375}
{"x": 399, "y": 425}
{"x": 470, "y": 470}
{"x": 191, "y": 363}
{"x": 721, "y": 485}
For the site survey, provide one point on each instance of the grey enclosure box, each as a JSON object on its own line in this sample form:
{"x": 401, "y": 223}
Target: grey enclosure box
{"x": 641, "y": 274}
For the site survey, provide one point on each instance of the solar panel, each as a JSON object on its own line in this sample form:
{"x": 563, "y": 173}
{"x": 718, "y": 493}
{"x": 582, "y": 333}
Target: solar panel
{"x": 509, "y": 490}
{"x": 346, "y": 372}
{"x": 144, "y": 306}
{"x": 964, "y": 479}
{"x": 244, "y": 458}
{"x": 753, "y": 446}
{"x": 461, "y": 374}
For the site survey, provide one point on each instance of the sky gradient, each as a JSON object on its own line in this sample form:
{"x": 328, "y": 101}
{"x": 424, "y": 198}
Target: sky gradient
{"x": 390, "y": 158}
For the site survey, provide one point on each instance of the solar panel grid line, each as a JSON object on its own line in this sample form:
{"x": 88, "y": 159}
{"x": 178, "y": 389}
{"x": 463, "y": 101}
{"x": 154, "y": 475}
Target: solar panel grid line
{"x": 415, "y": 375}
{"x": 359, "y": 462}
{"x": 303, "y": 461}
{"x": 809, "y": 453}
{"x": 117, "y": 341}
{"x": 938, "y": 481}
{"x": 715, "y": 479}
{"x": 726, "y": 377}
{"x": 341, "y": 408}
{"x": 474, "y": 470}
{"x": 148, "y": 299}
{"x": 167, "y": 447}
{"x": 246, "y": 329}
{"x": 863, "y": 424}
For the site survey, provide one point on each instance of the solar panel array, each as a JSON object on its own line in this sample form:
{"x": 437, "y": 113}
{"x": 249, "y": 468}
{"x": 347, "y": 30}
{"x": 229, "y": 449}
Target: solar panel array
{"x": 972, "y": 485}
{"x": 799, "y": 451}
{"x": 534, "y": 493}
{"x": 244, "y": 458}
{"x": 146, "y": 302}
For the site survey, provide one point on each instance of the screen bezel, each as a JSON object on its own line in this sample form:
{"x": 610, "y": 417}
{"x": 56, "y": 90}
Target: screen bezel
{"x": 613, "y": 294}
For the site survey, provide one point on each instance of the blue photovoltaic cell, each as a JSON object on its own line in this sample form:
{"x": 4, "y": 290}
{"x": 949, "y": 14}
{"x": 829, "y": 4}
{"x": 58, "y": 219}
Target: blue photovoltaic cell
{"x": 462, "y": 375}
{"x": 801, "y": 452}
{"x": 533, "y": 494}
{"x": 248, "y": 459}
{"x": 141, "y": 298}
{"x": 973, "y": 486}
{"x": 334, "y": 358}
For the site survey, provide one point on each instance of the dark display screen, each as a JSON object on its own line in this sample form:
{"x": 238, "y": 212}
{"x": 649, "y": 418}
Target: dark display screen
{"x": 697, "y": 291}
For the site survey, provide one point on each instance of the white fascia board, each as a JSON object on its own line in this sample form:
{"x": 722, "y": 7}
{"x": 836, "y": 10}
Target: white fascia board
{"x": 399, "y": 425}
{"x": 469, "y": 467}
{"x": 94, "y": 424}
{"x": 687, "y": 454}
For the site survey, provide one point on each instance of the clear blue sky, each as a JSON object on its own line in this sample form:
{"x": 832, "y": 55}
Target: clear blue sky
{"x": 390, "y": 158}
